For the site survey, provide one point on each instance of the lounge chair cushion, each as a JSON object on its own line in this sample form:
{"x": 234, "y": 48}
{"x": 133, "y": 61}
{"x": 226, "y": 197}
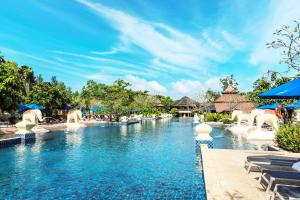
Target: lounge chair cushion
{"x": 296, "y": 166}
{"x": 282, "y": 174}
{"x": 288, "y": 191}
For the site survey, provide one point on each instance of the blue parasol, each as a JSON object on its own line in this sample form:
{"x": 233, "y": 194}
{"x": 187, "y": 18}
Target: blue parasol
{"x": 35, "y": 106}
{"x": 136, "y": 110}
{"x": 96, "y": 108}
{"x": 269, "y": 106}
{"x": 83, "y": 110}
{"x": 289, "y": 90}
{"x": 67, "y": 108}
{"x": 293, "y": 106}
{"x": 23, "y": 107}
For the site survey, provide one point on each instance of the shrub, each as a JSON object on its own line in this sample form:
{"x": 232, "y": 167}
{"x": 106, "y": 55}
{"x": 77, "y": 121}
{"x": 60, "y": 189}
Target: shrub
{"x": 288, "y": 137}
{"x": 227, "y": 121}
{"x": 216, "y": 117}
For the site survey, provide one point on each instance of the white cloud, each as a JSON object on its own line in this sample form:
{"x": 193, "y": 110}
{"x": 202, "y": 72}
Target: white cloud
{"x": 161, "y": 41}
{"x": 232, "y": 40}
{"x": 141, "y": 84}
{"x": 191, "y": 88}
{"x": 213, "y": 83}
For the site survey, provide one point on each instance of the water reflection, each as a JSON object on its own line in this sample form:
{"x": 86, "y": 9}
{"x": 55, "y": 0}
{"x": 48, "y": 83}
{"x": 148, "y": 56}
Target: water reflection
{"x": 123, "y": 130}
{"x": 74, "y": 138}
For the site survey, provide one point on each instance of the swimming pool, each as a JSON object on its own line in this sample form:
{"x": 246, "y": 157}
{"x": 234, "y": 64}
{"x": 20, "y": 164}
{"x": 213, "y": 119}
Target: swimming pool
{"x": 152, "y": 160}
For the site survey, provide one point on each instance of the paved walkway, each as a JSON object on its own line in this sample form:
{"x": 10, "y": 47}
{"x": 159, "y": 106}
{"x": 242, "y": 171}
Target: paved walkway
{"x": 225, "y": 177}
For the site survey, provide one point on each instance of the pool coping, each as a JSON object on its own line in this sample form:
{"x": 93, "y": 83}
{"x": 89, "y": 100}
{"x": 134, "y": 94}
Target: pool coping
{"x": 224, "y": 175}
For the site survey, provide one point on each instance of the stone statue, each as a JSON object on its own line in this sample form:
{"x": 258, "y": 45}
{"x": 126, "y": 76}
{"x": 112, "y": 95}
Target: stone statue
{"x": 75, "y": 115}
{"x": 254, "y": 113}
{"x": 240, "y": 116}
{"x": 270, "y": 119}
{"x": 32, "y": 117}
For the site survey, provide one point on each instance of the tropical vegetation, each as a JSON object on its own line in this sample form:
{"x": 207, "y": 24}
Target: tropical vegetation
{"x": 18, "y": 84}
{"x": 288, "y": 137}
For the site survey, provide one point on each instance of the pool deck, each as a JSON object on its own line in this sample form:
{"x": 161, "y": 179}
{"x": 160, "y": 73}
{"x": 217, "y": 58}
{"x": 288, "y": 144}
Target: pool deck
{"x": 226, "y": 178}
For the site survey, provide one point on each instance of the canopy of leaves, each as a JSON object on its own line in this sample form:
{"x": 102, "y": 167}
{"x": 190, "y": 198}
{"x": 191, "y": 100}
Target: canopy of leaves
{"x": 271, "y": 80}
{"x": 166, "y": 101}
{"x": 228, "y": 80}
{"x": 210, "y": 96}
{"x": 52, "y": 95}
{"x": 12, "y": 84}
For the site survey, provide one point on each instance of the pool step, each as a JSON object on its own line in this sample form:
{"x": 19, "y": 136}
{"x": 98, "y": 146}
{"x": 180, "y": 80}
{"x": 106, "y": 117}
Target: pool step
{"x": 17, "y": 139}
{"x": 10, "y": 142}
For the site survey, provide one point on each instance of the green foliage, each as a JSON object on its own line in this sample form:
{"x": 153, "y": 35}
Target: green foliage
{"x": 52, "y": 95}
{"x": 210, "y": 96}
{"x": 19, "y": 85}
{"x": 166, "y": 101}
{"x": 151, "y": 111}
{"x": 92, "y": 92}
{"x": 118, "y": 99}
{"x": 217, "y": 117}
{"x": 143, "y": 102}
{"x": 288, "y": 137}
{"x": 11, "y": 86}
{"x": 228, "y": 80}
{"x": 174, "y": 112}
{"x": 265, "y": 83}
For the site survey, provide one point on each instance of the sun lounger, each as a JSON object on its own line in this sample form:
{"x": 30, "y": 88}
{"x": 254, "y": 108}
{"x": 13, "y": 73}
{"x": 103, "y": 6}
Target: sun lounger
{"x": 253, "y": 161}
{"x": 270, "y": 178}
{"x": 274, "y": 167}
{"x": 283, "y": 192}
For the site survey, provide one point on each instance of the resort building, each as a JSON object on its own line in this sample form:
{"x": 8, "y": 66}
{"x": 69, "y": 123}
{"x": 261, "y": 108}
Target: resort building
{"x": 185, "y": 106}
{"x": 231, "y": 100}
{"x": 159, "y": 105}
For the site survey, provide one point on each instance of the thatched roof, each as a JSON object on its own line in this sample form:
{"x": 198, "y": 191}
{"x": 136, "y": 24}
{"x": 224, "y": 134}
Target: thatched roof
{"x": 184, "y": 102}
{"x": 230, "y": 90}
{"x": 232, "y": 100}
{"x": 158, "y": 103}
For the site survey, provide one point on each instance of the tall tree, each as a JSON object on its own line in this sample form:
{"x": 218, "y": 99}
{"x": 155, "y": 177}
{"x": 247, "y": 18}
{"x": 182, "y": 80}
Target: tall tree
{"x": 118, "y": 99}
{"x": 210, "y": 96}
{"x": 51, "y": 95}
{"x": 288, "y": 39}
{"x": 166, "y": 101}
{"x": 10, "y": 86}
{"x": 266, "y": 82}
{"x": 27, "y": 77}
{"x": 228, "y": 80}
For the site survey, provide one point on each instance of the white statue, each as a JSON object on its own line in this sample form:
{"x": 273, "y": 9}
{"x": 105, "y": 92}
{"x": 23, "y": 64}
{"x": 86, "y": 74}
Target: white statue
{"x": 196, "y": 119}
{"x": 270, "y": 119}
{"x": 254, "y": 113}
{"x": 75, "y": 115}
{"x": 240, "y": 116}
{"x": 32, "y": 117}
{"x": 124, "y": 119}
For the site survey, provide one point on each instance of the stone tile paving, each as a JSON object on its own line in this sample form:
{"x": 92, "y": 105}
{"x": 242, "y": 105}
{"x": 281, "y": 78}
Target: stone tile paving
{"x": 226, "y": 178}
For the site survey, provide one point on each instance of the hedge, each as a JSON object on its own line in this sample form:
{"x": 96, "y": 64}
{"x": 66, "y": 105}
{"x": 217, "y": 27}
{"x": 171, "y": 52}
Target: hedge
{"x": 288, "y": 137}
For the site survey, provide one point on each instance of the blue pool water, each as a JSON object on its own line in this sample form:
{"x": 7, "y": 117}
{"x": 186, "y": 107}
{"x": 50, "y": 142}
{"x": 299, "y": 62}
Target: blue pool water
{"x": 152, "y": 160}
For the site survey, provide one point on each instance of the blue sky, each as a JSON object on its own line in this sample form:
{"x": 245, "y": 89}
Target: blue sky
{"x": 172, "y": 48}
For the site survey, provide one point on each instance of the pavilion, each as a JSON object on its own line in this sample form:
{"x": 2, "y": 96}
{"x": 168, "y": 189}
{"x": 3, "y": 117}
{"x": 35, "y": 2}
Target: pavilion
{"x": 186, "y": 106}
{"x": 231, "y": 100}
{"x": 158, "y": 104}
